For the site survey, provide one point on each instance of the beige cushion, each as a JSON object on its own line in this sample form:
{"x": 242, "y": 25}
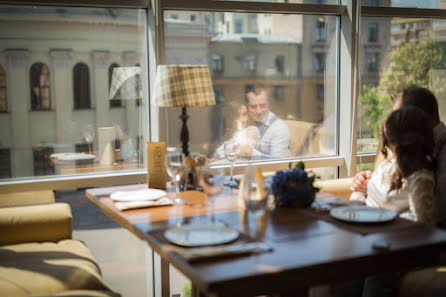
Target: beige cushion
{"x": 40, "y": 269}
{"x": 35, "y": 223}
{"x": 428, "y": 282}
{"x": 26, "y": 198}
{"x": 337, "y": 187}
{"x": 299, "y": 134}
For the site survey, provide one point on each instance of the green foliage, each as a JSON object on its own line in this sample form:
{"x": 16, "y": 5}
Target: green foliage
{"x": 300, "y": 165}
{"x": 411, "y": 64}
{"x": 187, "y": 290}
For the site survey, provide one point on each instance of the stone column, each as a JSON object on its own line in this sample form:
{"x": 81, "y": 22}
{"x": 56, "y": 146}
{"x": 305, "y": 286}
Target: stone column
{"x": 19, "y": 101}
{"x": 100, "y": 78}
{"x": 63, "y": 94}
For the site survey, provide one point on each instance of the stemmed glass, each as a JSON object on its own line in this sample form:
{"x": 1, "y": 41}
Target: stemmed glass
{"x": 175, "y": 170}
{"x": 88, "y": 135}
{"x": 212, "y": 181}
{"x": 231, "y": 149}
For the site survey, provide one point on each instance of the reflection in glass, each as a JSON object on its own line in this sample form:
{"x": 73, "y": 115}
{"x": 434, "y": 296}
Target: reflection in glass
{"x": 55, "y": 62}
{"x": 292, "y": 57}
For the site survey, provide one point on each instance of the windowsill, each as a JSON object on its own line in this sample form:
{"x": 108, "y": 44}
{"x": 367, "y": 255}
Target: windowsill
{"x": 41, "y": 110}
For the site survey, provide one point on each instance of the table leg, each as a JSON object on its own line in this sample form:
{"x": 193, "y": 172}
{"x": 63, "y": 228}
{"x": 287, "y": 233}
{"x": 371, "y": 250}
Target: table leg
{"x": 165, "y": 278}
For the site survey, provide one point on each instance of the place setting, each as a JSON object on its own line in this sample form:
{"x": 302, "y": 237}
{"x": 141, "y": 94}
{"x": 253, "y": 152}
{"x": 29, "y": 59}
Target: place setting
{"x": 215, "y": 239}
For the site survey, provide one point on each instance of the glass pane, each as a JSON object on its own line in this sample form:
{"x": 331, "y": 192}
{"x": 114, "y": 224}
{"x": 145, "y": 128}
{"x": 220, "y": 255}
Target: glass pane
{"x": 39, "y": 53}
{"x": 275, "y": 83}
{"x": 406, "y": 3}
{"x": 408, "y": 51}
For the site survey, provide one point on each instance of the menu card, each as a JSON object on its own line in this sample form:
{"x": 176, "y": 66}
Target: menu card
{"x": 156, "y": 173}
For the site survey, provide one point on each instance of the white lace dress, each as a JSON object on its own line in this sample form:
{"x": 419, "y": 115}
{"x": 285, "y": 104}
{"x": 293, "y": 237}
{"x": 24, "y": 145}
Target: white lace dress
{"x": 414, "y": 201}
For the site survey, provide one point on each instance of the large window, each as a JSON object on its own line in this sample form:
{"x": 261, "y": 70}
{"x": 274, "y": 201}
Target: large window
{"x": 39, "y": 77}
{"x": 295, "y": 54}
{"x": 3, "y": 98}
{"x": 57, "y": 60}
{"x": 269, "y": 82}
{"x": 81, "y": 86}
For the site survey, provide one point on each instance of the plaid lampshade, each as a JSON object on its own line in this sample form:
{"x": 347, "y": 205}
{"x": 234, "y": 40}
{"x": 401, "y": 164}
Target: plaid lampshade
{"x": 125, "y": 83}
{"x": 183, "y": 86}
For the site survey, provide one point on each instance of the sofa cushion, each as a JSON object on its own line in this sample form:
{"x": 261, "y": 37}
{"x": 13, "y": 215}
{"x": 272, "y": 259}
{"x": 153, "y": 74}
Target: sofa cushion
{"x": 39, "y": 269}
{"x": 26, "y": 198}
{"x": 35, "y": 223}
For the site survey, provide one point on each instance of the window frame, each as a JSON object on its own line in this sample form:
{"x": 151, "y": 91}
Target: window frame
{"x": 350, "y": 12}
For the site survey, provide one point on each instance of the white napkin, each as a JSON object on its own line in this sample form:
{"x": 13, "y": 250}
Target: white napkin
{"x": 138, "y": 195}
{"x": 141, "y": 204}
{"x": 194, "y": 254}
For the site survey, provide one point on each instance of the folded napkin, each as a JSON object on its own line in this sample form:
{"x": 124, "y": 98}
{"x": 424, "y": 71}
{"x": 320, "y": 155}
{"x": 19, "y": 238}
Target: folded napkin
{"x": 138, "y": 195}
{"x": 194, "y": 254}
{"x": 141, "y": 204}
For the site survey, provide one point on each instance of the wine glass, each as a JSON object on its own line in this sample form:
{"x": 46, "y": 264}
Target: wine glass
{"x": 175, "y": 169}
{"x": 212, "y": 181}
{"x": 88, "y": 135}
{"x": 231, "y": 149}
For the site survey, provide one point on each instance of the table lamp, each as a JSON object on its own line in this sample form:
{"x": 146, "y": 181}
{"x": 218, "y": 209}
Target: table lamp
{"x": 183, "y": 86}
{"x": 125, "y": 85}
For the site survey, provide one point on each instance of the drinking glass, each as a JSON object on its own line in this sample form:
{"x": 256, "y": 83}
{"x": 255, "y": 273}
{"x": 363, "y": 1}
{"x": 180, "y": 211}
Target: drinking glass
{"x": 256, "y": 201}
{"x": 231, "y": 149}
{"x": 175, "y": 170}
{"x": 212, "y": 181}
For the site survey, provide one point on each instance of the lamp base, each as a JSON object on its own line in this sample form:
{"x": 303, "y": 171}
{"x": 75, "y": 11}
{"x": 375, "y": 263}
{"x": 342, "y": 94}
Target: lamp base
{"x": 184, "y": 136}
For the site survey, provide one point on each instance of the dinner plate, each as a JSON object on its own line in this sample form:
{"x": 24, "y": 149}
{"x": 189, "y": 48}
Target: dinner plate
{"x": 76, "y": 157}
{"x": 201, "y": 235}
{"x": 362, "y": 214}
{"x": 138, "y": 195}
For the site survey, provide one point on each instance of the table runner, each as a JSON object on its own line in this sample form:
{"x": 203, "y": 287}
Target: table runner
{"x": 363, "y": 228}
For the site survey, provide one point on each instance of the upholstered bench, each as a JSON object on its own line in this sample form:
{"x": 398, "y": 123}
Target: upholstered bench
{"x": 39, "y": 258}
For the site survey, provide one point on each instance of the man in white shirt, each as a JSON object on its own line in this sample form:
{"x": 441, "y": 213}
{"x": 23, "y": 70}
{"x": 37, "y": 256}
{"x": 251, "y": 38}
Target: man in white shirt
{"x": 274, "y": 132}
{"x": 425, "y": 100}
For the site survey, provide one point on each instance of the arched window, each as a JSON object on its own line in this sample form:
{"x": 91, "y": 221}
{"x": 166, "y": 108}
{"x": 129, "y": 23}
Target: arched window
{"x": 81, "y": 86}
{"x": 113, "y": 102}
{"x": 3, "y": 100}
{"x": 40, "y": 86}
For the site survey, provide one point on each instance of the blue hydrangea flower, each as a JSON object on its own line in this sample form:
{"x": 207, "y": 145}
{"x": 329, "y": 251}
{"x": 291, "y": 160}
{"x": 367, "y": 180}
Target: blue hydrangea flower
{"x": 292, "y": 188}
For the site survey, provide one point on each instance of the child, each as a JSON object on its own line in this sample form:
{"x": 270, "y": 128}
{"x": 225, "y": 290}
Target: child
{"x": 407, "y": 145}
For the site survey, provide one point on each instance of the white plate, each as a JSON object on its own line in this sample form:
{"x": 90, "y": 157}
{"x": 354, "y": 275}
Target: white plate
{"x": 201, "y": 235}
{"x": 76, "y": 157}
{"x": 138, "y": 195}
{"x": 362, "y": 214}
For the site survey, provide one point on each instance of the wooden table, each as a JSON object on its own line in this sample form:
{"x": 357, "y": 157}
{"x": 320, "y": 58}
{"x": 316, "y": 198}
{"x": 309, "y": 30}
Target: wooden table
{"x": 308, "y": 249}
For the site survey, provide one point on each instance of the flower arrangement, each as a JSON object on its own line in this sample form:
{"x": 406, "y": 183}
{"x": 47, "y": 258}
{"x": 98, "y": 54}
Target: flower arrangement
{"x": 294, "y": 187}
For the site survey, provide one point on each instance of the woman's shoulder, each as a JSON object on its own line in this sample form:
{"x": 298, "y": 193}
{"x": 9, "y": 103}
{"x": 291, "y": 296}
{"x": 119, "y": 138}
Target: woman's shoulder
{"x": 422, "y": 175}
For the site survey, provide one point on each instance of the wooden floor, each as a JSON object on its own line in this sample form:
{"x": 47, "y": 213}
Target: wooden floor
{"x": 124, "y": 259}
